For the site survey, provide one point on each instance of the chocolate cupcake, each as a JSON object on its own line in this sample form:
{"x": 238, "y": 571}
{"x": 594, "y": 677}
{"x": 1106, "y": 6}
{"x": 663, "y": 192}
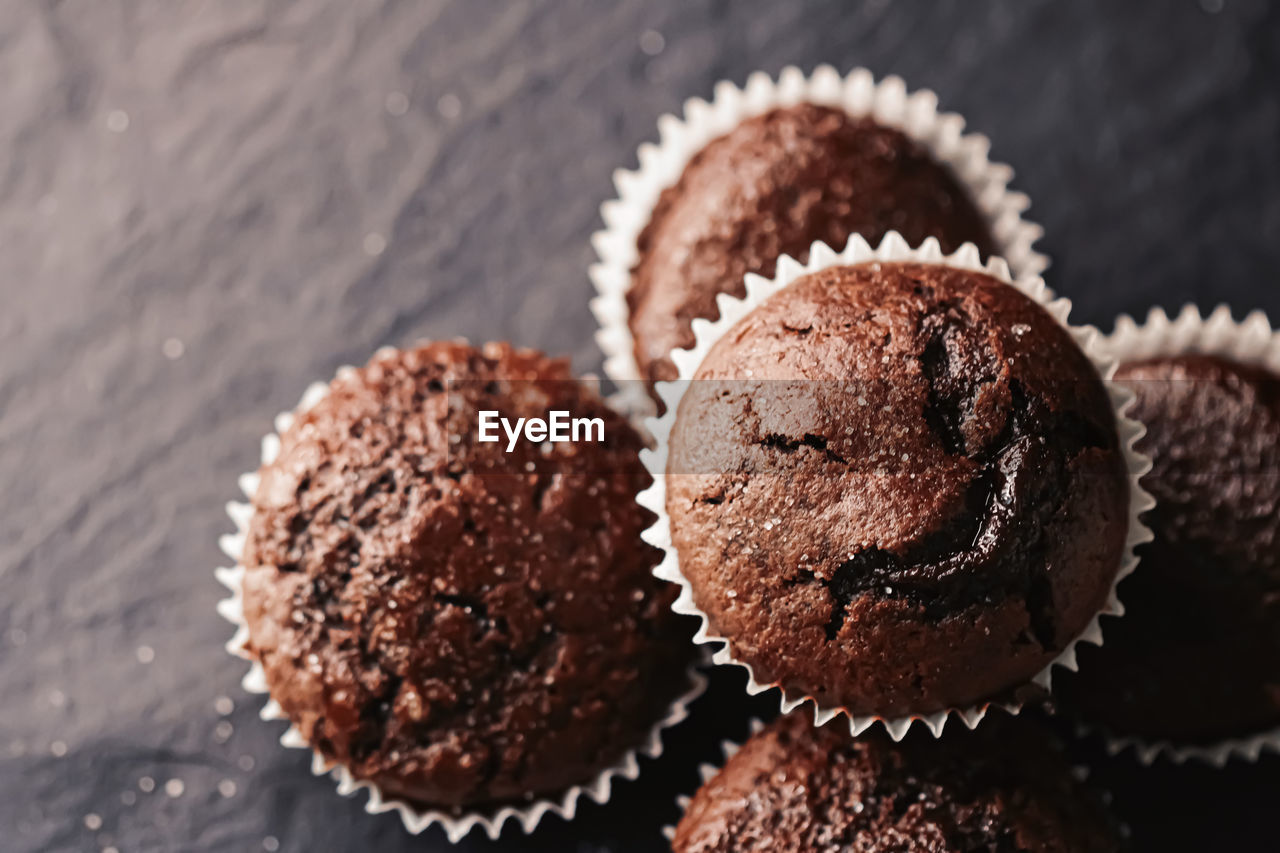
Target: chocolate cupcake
{"x": 771, "y": 187}
{"x": 766, "y": 170}
{"x": 895, "y": 488}
{"x": 1196, "y": 659}
{"x": 793, "y": 787}
{"x": 463, "y": 624}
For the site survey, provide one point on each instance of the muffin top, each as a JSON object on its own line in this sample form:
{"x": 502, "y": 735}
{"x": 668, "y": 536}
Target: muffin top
{"x": 772, "y": 186}
{"x": 897, "y": 488}
{"x": 793, "y": 788}
{"x": 1197, "y": 655}
{"x": 458, "y": 623}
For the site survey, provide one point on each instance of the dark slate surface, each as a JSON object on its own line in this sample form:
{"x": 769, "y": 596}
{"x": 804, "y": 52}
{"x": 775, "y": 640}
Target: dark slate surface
{"x": 186, "y": 197}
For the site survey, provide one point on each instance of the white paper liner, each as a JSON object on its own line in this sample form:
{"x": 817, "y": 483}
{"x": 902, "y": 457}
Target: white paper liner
{"x": 416, "y": 819}
{"x": 892, "y": 248}
{"x": 1250, "y": 341}
{"x": 858, "y": 94}
{"x": 728, "y": 748}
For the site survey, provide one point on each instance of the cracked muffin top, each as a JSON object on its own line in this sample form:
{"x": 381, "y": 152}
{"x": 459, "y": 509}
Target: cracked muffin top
{"x": 897, "y": 488}
{"x": 1202, "y": 615}
{"x": 772, "y": 186}
{"x": 793, "y": 788}
{"x": 458, "y": 624}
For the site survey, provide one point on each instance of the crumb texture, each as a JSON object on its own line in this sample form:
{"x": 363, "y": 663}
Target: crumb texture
{"x": 459, "y": 624}
{"x": 793, "y": 788}
{"x": 897, "y": 488}
{"x": 772, "y": 186}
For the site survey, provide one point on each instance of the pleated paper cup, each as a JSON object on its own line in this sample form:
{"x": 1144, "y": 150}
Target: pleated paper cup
{"x": 892, "y": 249}
{"x": 859, "y": 95}
{"x": 416, "y": 817}
{"x": 1250, "y": 341}
{"x": 707, "y": 772}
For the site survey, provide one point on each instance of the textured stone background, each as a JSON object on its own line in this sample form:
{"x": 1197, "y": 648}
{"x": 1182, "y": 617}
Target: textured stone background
{"x": 205, "y": 206}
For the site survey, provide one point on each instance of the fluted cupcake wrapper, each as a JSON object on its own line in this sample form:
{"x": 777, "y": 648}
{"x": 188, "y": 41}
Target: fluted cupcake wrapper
{"x": 1251, "y": 341}
{"x": 728, "y": 748}
{"x": 416, "y": 817}
{"x": 859, "y": 95}
{"x": 892, "y": 248}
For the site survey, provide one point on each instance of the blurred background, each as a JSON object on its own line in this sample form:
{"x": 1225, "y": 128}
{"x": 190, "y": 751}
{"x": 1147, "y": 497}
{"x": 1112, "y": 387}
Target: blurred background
{"x": 204, "y": 206}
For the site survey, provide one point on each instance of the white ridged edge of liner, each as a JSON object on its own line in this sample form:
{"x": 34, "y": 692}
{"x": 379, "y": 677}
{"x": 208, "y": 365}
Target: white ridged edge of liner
{"x": 706, "y": 772}
{"x": 858, "y": 94}
{"x": 1251, "y": 341}
{"x": 416, "y": 820}
{"x": 858, "y": 251}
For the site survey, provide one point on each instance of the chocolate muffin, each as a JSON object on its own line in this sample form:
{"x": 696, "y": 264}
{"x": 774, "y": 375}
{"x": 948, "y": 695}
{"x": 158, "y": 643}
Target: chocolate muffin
{"x": 772, "y": 186}
{"x": 897, "y": 488}
{"x": 1196, "y": 657}
{"x": 794, "y": 788}
{"x": 460, "y": 624}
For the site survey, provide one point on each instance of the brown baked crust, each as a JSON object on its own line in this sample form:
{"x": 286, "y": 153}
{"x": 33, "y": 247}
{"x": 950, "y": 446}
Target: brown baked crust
{"x": 897, "y": 488}
{"x": 772, "y": 186}
{"x": 1197, "y": 655}
{"x": 793, "y": 788}
{"x": 438, "y": 620}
